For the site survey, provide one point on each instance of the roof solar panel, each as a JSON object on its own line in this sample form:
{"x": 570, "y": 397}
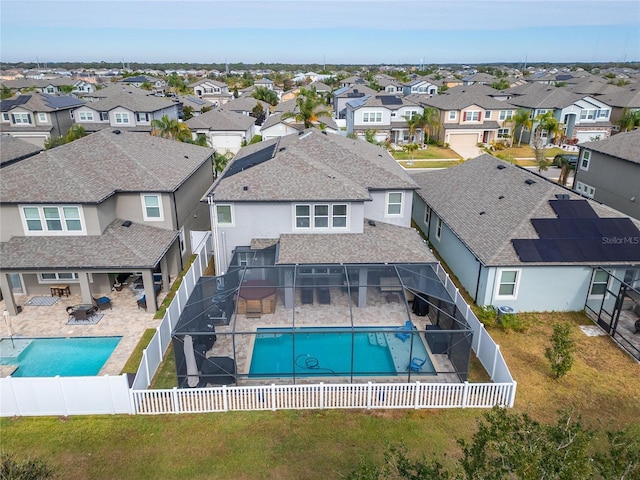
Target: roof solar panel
{"x": 389, "y": 99}
{"x": 61, "y": 101}
{"x": 576, "y": 250}
{"x": 9, "y": 103}
{"x": 251, "y": 160}
{"x": 572, "y": 208}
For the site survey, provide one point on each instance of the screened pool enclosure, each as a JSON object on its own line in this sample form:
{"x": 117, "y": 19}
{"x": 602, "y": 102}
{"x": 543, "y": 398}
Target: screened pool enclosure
{"x": 261, "y": 323}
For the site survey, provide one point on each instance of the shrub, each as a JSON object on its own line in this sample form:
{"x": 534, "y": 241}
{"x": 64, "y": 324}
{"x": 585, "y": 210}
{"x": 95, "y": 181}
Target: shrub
{"x": 30, "y": 468}
{"x": 487, "y": 314}
{"x": 560, "y": 353}
{"x": 511, "y": 321}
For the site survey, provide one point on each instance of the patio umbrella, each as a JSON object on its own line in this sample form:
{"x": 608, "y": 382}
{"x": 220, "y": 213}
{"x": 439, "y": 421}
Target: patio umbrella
{"x": 193, "y": 377}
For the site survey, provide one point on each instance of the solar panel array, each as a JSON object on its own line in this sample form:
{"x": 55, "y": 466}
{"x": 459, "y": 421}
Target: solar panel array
{"x": 251, "y": 160}
{"x": 389, "y": 99}
{"x": 8, "y": 104}
{"x": 579, "y": 235}
{"x": 61, "y": 101}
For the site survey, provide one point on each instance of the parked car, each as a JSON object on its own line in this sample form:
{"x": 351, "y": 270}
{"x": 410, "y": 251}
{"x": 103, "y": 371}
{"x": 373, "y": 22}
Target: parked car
{"x": 571, "y": 158}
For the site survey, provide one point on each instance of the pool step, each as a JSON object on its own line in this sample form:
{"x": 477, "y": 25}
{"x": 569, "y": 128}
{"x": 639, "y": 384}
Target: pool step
{"x": 377, "y": 339}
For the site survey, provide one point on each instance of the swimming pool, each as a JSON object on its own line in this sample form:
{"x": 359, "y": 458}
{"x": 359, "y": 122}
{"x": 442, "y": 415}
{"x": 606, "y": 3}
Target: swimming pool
{"x": 49, "y": 357}
{"x": 321, "y": 351}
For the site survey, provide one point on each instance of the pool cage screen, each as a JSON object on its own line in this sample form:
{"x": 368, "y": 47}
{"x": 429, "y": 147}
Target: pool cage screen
{"x": 262, "y": 324}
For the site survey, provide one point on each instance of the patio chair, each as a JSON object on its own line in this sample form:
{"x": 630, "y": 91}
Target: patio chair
{"x": 142, "y": 302}
{"x": 404, "y": 332}
{"x": 102, "y": 303}
{"x": 637, "y": 325}
{"x": 417, "y": 364}
{"x": 71, "y": 312}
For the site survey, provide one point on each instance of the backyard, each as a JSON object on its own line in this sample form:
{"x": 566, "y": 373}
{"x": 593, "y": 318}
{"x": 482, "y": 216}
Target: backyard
{"x": 602, "y": 387}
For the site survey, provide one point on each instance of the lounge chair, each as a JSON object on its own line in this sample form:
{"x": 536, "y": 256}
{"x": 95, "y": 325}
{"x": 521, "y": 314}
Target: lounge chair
{"x": 102, "y": 303}
{"x": 417, "y": 364}
{"x": 404, "y": 333}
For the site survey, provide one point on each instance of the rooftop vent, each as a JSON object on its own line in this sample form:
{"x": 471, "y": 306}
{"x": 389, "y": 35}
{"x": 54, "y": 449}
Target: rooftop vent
{"x": 324, "y": 132}
{"x": 245, "y": 188}
{"x": 372, "y": 223}
{"x": 500, "y": 197}
{"x": 562, "y": 196}
{"x": 186, "y": 156}
{"x": 117, "y": 132}
{"x": 501, "y": 167}
{"x": 126, "y": 223}
{"x": 482, "y": 212}
{"x": 282, "y": 149}
{"x": 528, "y": 181}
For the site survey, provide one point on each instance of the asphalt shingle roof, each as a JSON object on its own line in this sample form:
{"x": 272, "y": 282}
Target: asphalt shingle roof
{"x": 382, "y": 243}
{"x": 135, "y": 246}
{"x": 94, "y": 167}
{"x": 221, "y": 120}
{"x": 12, "y": 148}
{"x": 623, "y": 145}
{"x": 313, "y": 166}
{"x": 459, "y": 194}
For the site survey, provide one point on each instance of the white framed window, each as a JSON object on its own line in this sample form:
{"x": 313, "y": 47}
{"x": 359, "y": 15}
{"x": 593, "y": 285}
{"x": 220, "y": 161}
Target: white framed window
{"x": 182, "y": 241}
{"x": 505, "y": 114}
{"x": 85, "y": 116}
{"x": 599, "y": 283}
{"x": 487, "y": 114}
{"x": 508, "y": 282}
{"x": 321, "y": 216}
{"x": 452, "y": 115}
{"x": 427, "y": 216}
{"x": 584, "y": 189}
{"x": 339, "y": 215}
{"x": 471, "y": 116}
{"x": 394, "y": 203}
{"x": 21, "y": 118}
{"x": 372, "y": 117}
{"x": 584, "y": 161}
{"x": 5, "y": 116}
{"x": 152, "y": 207}
{"x": 52, "y": 219}
{"x": 411, "y": 113}
{"x": 122, "y": 117}
{"x": 603, "y": 113}
{"x": 224, "y": 214}
{"x": 104, "y": 116}
{"x": 503, "y": 133}
{"x": 590, "y": 114}
{"x": 42, "y": 117}
{"x": 439, "y": 229}
{"x": 142, "y": 117}
{"x": 243, "y": 258}
{"x": 55, "y": 277}
{"x": 303, "y": 216}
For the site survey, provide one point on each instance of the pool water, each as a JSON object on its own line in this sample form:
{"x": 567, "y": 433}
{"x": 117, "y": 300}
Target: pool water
{"x": 49, "y": 357}
{"x": 317, "y": 351}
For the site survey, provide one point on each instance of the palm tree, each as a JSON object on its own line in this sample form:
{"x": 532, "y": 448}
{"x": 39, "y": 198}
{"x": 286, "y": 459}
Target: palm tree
{"x": 414, "y": 123}
{"x": 429, "y": 122}
{"x": 521, "y": 120}
{"x": 170, "y": 128}
{"x": 266, "y": 95}
{"x": 309, "y": 108}
{"x": 566, "y": 167}
{"x": 75, "y": 132}
{"x": 549, "y": 123}
{"x": 629, "y": 120}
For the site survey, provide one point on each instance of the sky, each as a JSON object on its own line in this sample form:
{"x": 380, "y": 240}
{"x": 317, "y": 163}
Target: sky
{"x": 317, "y": 31}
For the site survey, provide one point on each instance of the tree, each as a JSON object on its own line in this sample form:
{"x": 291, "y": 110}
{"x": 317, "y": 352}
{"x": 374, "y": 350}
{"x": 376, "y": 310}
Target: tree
{"x": 414, "y": 123}
{"x": 309, "y": 108}
{"x": 187, "y": 112}
{"x": 259, "y": 113}
{"x": 266, "y": 95}
{"x": 53, "y": 142}
{"x": 5, "y": 92}
{"x": 170, "y": 128}
{"x": 560, "y": 353}
{"x": 146, "y": 86}
{"x": 75, "y": 132}
{"x": 549, "y": 123}
{"x": 206, "y": 108}
{"x": 565, "y": 168}
{"x": 629, "y": 120}
{"x": 521, "y": 120}
{"x": 429, "y": 122}
{"x": 66, "y": 89}
{"x": 502, "y": 84}
{"x": 220, "y": 162}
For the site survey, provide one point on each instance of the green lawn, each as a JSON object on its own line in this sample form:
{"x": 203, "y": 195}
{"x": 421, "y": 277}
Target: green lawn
{"x": 428, "y": 163}
{"x": 602, "y": 386}
{"x": 430, "y": 153}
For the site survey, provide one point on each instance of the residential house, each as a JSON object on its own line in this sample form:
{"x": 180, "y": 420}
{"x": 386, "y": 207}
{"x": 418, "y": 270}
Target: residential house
{"x": 322, "y": 89}
{"x": 212, "y": 91}
{"x": 384, "y": 114}
{"x": 125, "y": 110}
{"x": 277, "y": 126}
{"x": 244, "y": 105}
{"x": 479, "y": 78}
{"x": 515, "y": 239}
{"x": 353, "y": 81}
{"x": 225, "y": 131}
{"x": 103, "y": 207}
{"x": 196, "y": 104}
{"x": 157, "y": 85}
{"x": 628, "y": 99}
{"x": 37, "y": 117}
{"x": 346, "y": 94}
{"x": 469, "y": 116}
{"x": 28, "y": 85}
{"x": 419, "y": 87}
{"x": 310, "y": 77}
{"x": 609, "y": 172}
{"x": 13, "y": 150}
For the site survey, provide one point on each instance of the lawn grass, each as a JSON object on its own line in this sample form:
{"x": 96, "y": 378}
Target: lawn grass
{"x": 525, "y": 151}
{"x": 602, "y": 386}
{"x": 428, "y": 163}
{"x": 430, "y": 153}
{"x": 136, "y": 356}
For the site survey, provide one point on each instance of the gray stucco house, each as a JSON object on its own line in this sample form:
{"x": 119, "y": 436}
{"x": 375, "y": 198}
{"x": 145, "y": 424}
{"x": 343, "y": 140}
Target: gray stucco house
{"x": 609, "y": 172}
{"x": 105, "y": 205}
{"x": 513, "y": 238}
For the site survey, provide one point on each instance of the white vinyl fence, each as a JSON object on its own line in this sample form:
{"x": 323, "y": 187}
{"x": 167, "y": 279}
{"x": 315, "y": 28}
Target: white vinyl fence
{"x": 112, "y": 395}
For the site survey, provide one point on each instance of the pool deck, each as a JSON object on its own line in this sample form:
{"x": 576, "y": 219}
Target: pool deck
{"x": 125, "y": 319}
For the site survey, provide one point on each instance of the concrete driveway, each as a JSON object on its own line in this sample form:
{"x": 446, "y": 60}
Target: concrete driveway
{"x": 467, "y": 152}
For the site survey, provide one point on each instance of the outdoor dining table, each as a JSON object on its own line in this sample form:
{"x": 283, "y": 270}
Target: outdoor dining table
{"x": 83, "y": 311}
{"x": 59, "y": 290}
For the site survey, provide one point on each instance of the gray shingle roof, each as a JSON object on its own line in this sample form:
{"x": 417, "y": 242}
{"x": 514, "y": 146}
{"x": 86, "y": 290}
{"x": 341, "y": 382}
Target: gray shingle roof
{"x": 458, "y": 195}
{"x": 628, "y": 98}
{"x": 92, "y": 168}
{"x": 623, "y": 145}
{"x": 41, "y": 102}
{"x": 12, "y": 149}
{"x": 382, "y": 243}
{"x": 244, "y": 104}
{"x": 135, "y": 103}
{"x": 221, "y": 120}
{"x": 548, "y": 98}
{"x": 463, "y": 97}
{"x": 313, "y": 166}
{"x": 118, "y": 247}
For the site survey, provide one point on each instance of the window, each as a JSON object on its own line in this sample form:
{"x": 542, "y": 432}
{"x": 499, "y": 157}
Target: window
{"x": 54, "y": 277}
{"x": 588, "y": 114}
{"x": 471, "y": 116}
{"x": 339, "y": 216}
{"x": 487, "y": 114}
{"x": 411, "y": 113}
{"x": 142, "y": 117}
{"x": 427, "y": 216}
{"x": 439, "y": 229}
{"x": 52, "y": 219}
{"x": 586, "y": 157}
{"x": 506, "y": 114}
{"x": 508, "y": 281}
{"x": 452, "y": 114}
{"x": 303, "y": 216}
{"x": 224, "y": 214}
{"x": 182, "y": 241}
{"x": 599, "y": 283}
{"x": 603, "y": 113}
{"x": 584, "y": 189}
{"x": 21, "y": 118}
{"x": 372, "y": 117}
{"x": 503, "y": 133}
{"x": 42, "y": 117}
{"x": 321, "y": 216}
{"x": 152, "y": 208}
{"x": 394, "y": 203}
{"x": 122, "y": 118}
{"x": 104, "y": 116}
{"x": 5, "y": 117}
{"x": 85, "y": 116}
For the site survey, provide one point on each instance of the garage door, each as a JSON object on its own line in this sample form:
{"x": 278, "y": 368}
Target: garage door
{"x": 590, "y": 136}
{"x": 464, "y": 144}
